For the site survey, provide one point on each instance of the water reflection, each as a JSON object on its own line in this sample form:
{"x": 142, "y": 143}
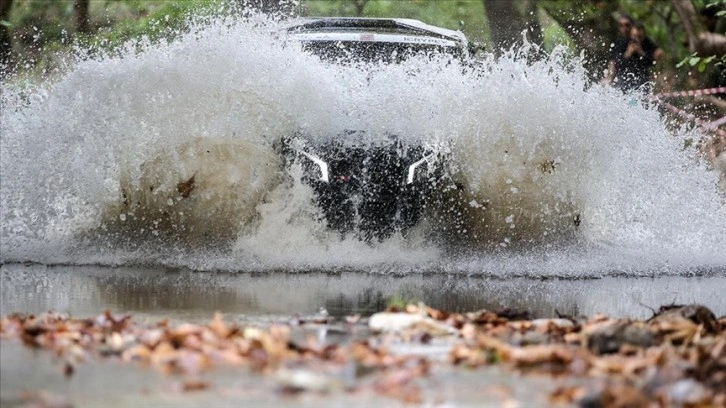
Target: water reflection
{"x": 182, "y": 294}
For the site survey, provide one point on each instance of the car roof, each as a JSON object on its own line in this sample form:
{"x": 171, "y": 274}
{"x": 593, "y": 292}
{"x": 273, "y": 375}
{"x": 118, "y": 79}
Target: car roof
{"x": 391, "y": 30}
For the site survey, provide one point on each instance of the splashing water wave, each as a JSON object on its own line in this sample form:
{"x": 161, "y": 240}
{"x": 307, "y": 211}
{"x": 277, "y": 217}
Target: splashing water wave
{"x": 166, "y": 157}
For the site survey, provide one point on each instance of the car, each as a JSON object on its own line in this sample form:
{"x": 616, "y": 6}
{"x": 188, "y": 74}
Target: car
{"x": 393, "y": 40}
{"x": 370, "y": 186}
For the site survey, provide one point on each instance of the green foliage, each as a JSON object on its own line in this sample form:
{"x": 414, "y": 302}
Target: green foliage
{"x": 36, "y": 23}
{"x": 701, "y": 63}
{"x": 155, "y": 21}
{"x": 553, "y": 34}
{"x": 721, "y": 4}
{"x": 44, "y": 30}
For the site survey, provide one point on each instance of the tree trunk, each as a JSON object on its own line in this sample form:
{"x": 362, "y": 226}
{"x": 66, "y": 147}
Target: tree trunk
{"x": 705, "y": 44}
{"x": 6, "y": 43}
{"x": 699, "y": 40}
{"x": 360, "y": 6}
{"x": 80, "y": 8}
{"x": 505, "y": 24}
{"x": 592, "y": 34}
{"x": 534, "y": 29}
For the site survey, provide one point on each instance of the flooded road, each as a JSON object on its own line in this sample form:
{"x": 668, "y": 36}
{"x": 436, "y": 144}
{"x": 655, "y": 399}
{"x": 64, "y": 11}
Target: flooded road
{"x": 274, "y": 296}
{"x": 262, "y": 299}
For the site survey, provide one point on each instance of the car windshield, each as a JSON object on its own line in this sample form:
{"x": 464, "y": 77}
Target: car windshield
{"x": 343, "y": 52}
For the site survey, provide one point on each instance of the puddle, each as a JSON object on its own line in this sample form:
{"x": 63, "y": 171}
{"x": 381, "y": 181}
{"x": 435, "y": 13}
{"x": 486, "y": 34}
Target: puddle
{"x": 274, "y": 296}
{"x": 34, "y": 376}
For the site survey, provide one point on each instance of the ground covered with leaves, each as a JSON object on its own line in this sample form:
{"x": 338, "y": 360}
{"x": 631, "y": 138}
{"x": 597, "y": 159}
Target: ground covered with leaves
{"x": 675, "y": 358}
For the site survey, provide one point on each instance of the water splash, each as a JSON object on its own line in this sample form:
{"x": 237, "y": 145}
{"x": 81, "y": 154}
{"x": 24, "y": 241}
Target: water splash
{"x": 166, "y": 157}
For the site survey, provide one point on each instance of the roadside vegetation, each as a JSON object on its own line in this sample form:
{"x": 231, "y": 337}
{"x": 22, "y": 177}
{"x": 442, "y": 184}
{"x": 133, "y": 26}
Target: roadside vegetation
{"x": 37, "y": 36}
{"x": 33, "y": 32}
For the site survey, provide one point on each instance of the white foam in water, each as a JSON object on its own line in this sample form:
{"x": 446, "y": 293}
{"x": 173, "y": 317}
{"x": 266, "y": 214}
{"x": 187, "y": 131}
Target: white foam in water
{"x": 95, "y": 165}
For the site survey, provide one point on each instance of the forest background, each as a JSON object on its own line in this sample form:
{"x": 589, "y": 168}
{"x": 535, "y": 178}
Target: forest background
{"x": 36, "y": 34}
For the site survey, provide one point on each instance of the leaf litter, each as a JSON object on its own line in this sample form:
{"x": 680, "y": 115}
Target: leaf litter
{"x": 675, "y": 358}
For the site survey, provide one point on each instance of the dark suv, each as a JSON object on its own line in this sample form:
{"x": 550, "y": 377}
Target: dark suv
{"x": 370, "y": 189}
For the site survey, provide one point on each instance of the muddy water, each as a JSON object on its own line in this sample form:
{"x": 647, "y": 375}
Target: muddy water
{"x": 278, "y": 296}
{"x": 92, "y": 162}
{"x": 27, "y": 374}
{"x": 251, "y": 298}
{"x": 259, "y": 298}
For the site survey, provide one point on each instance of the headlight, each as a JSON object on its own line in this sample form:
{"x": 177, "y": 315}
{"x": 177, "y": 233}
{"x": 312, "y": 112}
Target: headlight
{"x": 321, "y": 164}
{"x": 412, "y": 168}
